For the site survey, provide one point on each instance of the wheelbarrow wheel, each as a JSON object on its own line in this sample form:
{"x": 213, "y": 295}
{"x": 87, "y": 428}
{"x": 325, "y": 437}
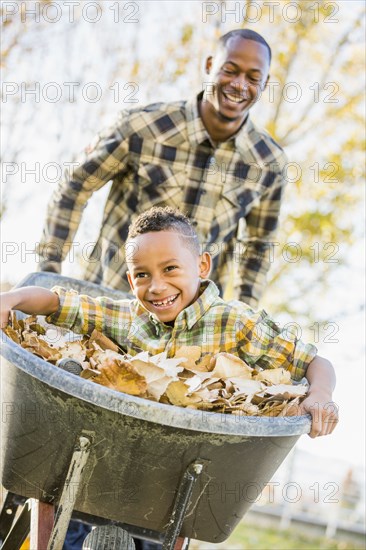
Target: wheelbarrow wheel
{"x": 109, "y": 537}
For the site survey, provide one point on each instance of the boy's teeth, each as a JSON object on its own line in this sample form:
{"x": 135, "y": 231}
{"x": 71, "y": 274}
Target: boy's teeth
{"x": 165, "y": 302}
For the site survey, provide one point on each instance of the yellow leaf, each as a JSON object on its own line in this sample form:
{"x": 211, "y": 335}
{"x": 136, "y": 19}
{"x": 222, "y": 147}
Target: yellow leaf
{"x": 120, "y": 376}
{"x": 274, "y": 376}
{"x": 228, "y": 365}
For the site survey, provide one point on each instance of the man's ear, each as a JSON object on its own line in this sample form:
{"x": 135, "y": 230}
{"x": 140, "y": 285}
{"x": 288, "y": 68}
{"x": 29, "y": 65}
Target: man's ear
{"x": 205, "y": 265}
{"x": 208, "y": 64}
{"x": 130, "y": 281}
{"x": 265, "y": 85}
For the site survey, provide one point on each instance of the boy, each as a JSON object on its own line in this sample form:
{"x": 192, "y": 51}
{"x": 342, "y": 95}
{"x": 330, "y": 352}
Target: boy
{"x": 177, "y": 305}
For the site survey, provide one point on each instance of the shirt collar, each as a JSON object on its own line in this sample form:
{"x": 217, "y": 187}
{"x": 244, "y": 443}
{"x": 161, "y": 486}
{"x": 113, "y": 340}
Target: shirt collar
{"x": 197, "y": 132}
{"x": 190, "y": 315}
{"x": 193, "y": 313}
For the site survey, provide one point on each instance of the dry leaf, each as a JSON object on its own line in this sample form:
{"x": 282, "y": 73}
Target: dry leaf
{"x": 177, "y": 394}
{"x": 119, "y": 376}
{"x": 228, "y": 365}
{"x": 274, "y": 376}
{"x": 74, "y": 350}
{"x": 292, "y": 391}
{"x": 12, "y": 334}
{"x": 39, "y": 347}
{"x": 190, "y": 354}
{"x": 103, "y": 341}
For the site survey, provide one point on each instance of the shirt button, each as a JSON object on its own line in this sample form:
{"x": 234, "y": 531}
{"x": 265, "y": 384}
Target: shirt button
{"x": 194, "y": 222}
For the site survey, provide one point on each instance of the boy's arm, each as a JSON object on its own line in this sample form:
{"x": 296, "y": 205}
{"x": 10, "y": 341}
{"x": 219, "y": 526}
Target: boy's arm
{"x": 30, "y": 299}
{"x": 319, "y": 403}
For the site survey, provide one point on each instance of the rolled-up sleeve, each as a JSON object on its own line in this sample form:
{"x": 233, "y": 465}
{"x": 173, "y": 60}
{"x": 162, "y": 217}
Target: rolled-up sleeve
{"x": 264, "y": 343}
{"x": 82, "y": 314}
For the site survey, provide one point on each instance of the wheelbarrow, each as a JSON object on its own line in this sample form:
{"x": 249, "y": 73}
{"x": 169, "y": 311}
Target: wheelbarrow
{"x": 163, "y": 473}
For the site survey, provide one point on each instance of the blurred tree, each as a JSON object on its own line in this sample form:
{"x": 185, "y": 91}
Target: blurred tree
{"x": 313, "y": 107}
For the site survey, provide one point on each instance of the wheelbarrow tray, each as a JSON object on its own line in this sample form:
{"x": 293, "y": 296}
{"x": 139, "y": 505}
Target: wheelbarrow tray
{"x": 140, "y": 448}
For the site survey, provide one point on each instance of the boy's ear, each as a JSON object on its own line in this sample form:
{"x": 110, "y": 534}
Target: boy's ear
{"x": 130, "y": 280}
{"x": 205, "y": 265}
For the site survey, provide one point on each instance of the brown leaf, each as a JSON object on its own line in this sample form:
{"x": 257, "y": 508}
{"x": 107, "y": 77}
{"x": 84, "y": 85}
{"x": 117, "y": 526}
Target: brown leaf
{"x": 36, "y": 327}
{"x": 89, "y": 373}
{"x": 206, "y": 364}
{"x": 12, "y": 334}
{"x": 36, "y": 345}
{"x": 228, "y": 365}
{"x": 274, "y": 376}
{"x": 289, "y": 389}
{"x": 103, "y": 341}
{"x": 190, "y": 353}
{"x": 14, "y": 321}
{"x": 120, "y": 376}
{"x": 177, "y": 394}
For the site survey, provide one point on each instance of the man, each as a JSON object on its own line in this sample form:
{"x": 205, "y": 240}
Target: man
{"x": 204, "y": 156}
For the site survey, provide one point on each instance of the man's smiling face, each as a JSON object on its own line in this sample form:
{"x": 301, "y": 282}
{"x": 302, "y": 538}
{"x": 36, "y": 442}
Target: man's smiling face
{"x": 239, "y": 73}
{"x": 164, "y": 272}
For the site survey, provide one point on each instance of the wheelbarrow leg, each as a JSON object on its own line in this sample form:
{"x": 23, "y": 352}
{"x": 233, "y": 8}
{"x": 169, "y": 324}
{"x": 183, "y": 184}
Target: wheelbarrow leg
{"x": 182, "y": 543}
{"x": 68, "y": 497}
{"x": 41, "y": 523}
{"x": 181, "y": 503}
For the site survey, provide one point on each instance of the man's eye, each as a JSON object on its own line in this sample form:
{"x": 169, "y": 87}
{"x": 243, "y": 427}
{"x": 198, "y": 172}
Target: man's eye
{"x": 228, "y": 71}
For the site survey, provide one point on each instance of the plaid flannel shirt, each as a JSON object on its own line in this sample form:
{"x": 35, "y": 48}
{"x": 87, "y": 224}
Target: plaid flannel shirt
{"x": 161, "y": 154}
{"x": 210, "y": 323}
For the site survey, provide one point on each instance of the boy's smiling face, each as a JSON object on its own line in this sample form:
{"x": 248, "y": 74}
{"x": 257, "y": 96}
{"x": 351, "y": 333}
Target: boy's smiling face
{"x": 164, "y": 273}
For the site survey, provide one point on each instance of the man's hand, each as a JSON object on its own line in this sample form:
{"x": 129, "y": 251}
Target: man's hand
{"x": 324, "y": 413}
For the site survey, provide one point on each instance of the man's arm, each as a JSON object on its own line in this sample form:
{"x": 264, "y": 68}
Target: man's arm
{"x": 318, "y": 402}
{"x": 107, "y": 158}
{"x": 29, "y": 299}
{"x": 261, "y": 225}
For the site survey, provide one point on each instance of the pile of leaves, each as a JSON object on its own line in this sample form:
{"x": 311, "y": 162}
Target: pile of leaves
{"x": 219, "y": 383}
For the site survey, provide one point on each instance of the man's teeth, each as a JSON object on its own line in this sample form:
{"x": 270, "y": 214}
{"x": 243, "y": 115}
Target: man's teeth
{"x": 166, "y": 302}
{"x": 235, "y": 97}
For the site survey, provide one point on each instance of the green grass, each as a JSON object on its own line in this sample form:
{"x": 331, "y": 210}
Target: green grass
{"x": 250, "y": 537}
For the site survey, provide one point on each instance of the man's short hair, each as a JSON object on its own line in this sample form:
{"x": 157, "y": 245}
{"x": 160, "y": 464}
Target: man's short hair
{"x": 159, "y": 218}
{"x": 247, "y": 34}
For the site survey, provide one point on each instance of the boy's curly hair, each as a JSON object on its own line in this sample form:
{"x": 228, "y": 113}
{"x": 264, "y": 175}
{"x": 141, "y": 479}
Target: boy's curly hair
{"x": 159, "y": 218}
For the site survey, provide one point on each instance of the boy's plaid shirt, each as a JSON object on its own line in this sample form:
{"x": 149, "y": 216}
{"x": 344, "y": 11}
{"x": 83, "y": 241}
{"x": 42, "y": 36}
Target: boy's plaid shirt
{"x": 161, "y": 155}
{"x": 210, "y": 323}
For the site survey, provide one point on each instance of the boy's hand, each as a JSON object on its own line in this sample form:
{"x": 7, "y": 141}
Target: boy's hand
{"x": 6, "y": 304}
{"x": 29, "y": 299}
{"x": 324, "y": 413}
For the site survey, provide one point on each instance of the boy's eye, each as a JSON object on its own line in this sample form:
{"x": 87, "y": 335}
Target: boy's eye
{"x": 171, "y": 267}
{"x": 140, "y": 275}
